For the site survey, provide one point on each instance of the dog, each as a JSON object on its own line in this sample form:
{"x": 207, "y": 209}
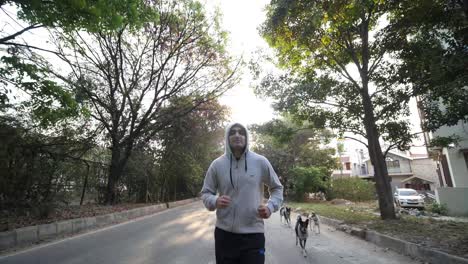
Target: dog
{"x": 314, "y": 223}
{"x": 302, "y": 233}
{"x": 285, "y": 212}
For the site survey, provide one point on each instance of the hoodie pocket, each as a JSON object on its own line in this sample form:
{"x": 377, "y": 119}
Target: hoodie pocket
{"x": 224, "y": 215}
{"x": 252, "y": 217}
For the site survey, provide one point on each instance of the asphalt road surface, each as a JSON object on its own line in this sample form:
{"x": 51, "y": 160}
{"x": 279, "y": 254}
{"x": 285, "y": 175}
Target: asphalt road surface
{"x": 185, "y": 235}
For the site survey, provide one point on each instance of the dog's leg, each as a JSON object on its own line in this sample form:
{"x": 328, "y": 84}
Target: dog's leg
{"x": 304, "y": 251}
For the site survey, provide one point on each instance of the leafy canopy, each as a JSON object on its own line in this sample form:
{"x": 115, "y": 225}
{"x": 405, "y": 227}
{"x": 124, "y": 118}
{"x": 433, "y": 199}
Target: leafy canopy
{"x": 334, "y": 60}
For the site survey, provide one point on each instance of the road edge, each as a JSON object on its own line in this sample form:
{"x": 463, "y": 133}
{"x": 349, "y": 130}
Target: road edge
{"x": 37, "y": 234}
{"x": 401, "y": 246}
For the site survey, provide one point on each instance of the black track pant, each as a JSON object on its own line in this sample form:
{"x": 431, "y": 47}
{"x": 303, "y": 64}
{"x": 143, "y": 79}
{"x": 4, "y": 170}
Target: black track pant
{"x": 234, "y": 248}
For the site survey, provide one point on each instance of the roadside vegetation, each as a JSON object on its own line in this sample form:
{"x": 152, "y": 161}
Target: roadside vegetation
{"x": 116, "y": 103}
{"x": 445, "y": 235}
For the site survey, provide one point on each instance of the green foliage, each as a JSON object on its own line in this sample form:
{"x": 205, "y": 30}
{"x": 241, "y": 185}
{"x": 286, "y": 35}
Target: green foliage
{"x": 345, "y": 68}
{"x": 140, "y": 176}
{"x": 438, "y": 208}
{"x": 318, "y": 43}
{"x": 353, "y": 189}
{"x": 444, "y": 142}
{"x": 350, "y": 214}
{"x": 24, "y": 70}
{"x": 129, "y": 62}
{"x": 89, "y": 15}
{"x": 131, "y": 90}
{"x": 39, "y": 169}
{"x": 308, "y": 180}
{"x": 429, "y": 37}
{"x": 49, "y": 102}
{"x": 288, "y": 144}
{"x": 188, "y": 148}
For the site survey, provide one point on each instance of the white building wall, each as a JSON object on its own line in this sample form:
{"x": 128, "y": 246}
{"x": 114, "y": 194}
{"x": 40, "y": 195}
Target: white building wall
{"x": 457, "y": 166}
{"x": 426, "y": 169}
{"x": 455, "y": 199}
{"x": 456, "y": 161}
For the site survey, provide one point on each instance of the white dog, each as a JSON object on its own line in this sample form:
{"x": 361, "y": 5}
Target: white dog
{"x": 314, "y": 223}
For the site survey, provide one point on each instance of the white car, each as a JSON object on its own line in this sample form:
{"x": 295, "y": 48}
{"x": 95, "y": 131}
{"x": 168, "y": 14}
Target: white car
{"x": 408, "y": 198}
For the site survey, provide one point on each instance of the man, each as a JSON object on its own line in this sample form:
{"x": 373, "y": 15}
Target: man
{"x": 233, "y": 187}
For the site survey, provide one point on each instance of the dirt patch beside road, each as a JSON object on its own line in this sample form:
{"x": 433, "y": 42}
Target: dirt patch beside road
{"x": 447, "y": 236}
{"x": 13, "y": 219}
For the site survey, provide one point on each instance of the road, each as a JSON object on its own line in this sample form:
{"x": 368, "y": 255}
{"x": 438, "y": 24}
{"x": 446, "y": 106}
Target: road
{"x": 185, "y": 235}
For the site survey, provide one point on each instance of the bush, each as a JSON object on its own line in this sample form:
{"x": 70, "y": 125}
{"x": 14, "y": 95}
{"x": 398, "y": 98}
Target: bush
{"x": 353, "y": 189}
{"x": 438, "y": 208}
{"x": 308, "y": 180}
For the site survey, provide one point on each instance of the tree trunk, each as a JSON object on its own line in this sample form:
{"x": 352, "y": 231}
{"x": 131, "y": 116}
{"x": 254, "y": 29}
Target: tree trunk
{"x": 384, "y": 190}
{"x": 175, "y": 191}
{"x": 85, "y": 184}
{"x": 119, "y": 159}
{"x": 115, "y": 170}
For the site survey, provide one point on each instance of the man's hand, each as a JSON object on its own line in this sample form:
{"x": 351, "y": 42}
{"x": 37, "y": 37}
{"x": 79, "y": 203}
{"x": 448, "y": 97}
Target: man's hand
{"x": 223, "y": 201}
{"x": 263, "y": 211}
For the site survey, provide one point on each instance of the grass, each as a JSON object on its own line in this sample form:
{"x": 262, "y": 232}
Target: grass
{"x": 350, "y": 214}
{"x": 448, "y": 236}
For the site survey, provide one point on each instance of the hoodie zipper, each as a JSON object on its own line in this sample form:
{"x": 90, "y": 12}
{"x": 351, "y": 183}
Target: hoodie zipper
{"x": 235, "y": 192}
{"x": 234, "y": 214}
{"x": 236, "y": 187}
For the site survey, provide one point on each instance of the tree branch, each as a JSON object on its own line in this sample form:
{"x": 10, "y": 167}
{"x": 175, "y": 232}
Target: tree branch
{"x": 13, "y": 36}
{"x": 355, "y": 139}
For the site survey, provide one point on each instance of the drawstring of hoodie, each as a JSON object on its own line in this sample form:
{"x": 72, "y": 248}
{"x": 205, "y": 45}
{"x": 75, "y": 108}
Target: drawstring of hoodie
{"x": 245, "y": 161}
{"x": 230, "y": 167}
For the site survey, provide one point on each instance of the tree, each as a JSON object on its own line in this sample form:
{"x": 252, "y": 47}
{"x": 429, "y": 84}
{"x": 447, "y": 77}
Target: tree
{"x": 321, "y": 44}
{"x": 430, "y": 38}
{"x": 38, "y": 170}
{"x": 340, "y": 150}
{"x": 188, "y": 147}
{"x": 129, "y": 77}
{"x": 309, "y": 180}
{"x": 49, "y": 101}
{"x": 353, "y": 189}
{"x": 288, "y": 144}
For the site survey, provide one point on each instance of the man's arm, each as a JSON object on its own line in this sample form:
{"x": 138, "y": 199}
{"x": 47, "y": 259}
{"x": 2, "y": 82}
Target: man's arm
{"x": 210, "y": 186}
{"x": 275, "y": 189}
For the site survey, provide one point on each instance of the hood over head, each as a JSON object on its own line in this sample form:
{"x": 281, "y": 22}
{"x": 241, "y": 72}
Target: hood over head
{"x": 228, "y": 151}
{"x": 227, "y": 147}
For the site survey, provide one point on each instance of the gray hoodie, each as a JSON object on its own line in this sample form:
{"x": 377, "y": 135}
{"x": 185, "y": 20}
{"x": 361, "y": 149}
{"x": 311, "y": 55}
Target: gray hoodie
{"x": 243, "y": 180}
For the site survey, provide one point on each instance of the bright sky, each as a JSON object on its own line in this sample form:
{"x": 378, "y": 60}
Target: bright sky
{"x": 241, "y": 19}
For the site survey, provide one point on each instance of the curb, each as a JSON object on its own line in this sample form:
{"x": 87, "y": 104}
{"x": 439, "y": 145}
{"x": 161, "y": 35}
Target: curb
{"x": 28, "y": 235}
{"x": 397, "y": 245}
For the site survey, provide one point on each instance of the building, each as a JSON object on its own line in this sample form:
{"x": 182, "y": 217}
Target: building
{"x": 351, "y": 164}
{"x": 452, "y": 168}
{"x": 345, "y": 168}
{"x": 407, "y": 171}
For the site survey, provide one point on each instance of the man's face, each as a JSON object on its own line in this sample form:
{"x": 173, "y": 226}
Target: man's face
{"x": 237, "y": 138}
